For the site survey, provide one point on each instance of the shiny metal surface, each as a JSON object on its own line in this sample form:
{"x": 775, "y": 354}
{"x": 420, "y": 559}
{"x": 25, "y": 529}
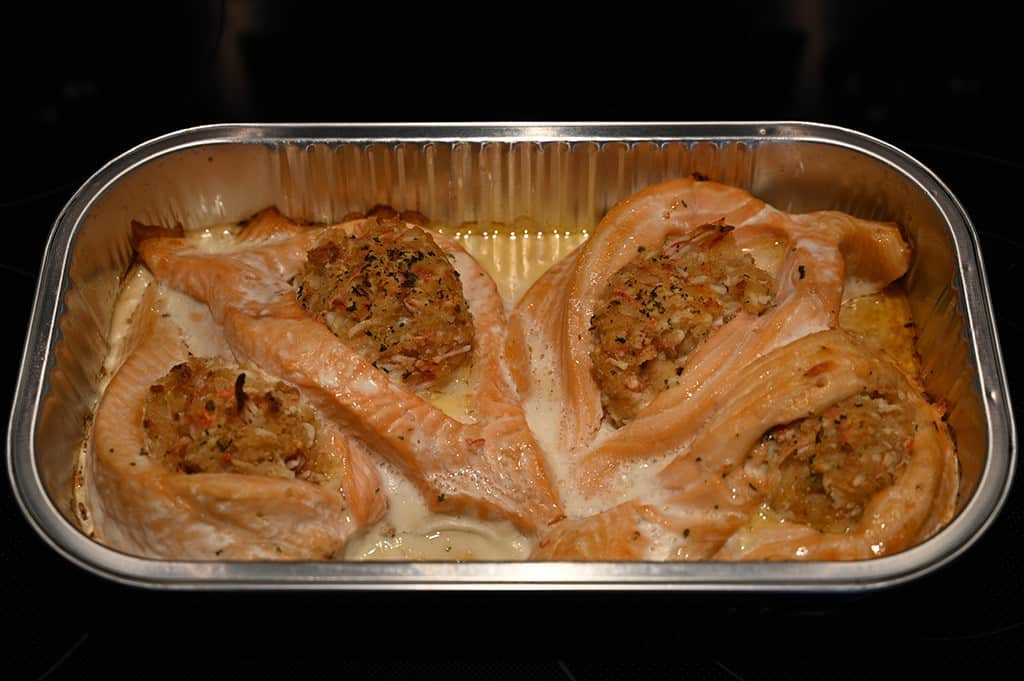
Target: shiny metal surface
{"x": 550, "y": 174}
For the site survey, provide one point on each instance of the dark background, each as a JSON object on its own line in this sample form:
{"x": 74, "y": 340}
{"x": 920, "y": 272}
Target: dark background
{"x": 83, "y": 84}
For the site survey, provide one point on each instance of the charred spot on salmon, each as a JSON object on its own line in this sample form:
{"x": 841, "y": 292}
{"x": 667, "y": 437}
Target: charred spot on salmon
{"x": 203, "y": 421}
{"x": 658, "y": 309}
{"x": 393, "y": 296}
{"x": 240, "y": 391}
{"x": 824, "y": 469}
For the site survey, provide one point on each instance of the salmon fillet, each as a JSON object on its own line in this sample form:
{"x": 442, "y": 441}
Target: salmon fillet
{"x": 142, "y": 507}
{"x": 806, "y": 377}
{"x": 714, "y": 498}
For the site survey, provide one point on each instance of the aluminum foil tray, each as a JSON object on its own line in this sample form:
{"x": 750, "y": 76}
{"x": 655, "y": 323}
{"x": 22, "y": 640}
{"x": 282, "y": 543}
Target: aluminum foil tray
{"x": 550, "y": 174}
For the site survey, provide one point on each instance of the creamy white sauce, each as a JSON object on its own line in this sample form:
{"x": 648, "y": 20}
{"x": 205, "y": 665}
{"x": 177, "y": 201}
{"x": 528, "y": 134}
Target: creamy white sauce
{"x": 410, "y": 531}
{"x": 543, "y": 407}
{"x": 132, "y": 290}
{"x": 634, "y": 480}
{"x": 544, "y": 415}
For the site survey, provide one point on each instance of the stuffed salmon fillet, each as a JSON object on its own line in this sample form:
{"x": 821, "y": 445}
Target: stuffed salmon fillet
{"x": 184, "y": 468}
{"x": 824, "y": 451}
{"x": 377, "y": 315}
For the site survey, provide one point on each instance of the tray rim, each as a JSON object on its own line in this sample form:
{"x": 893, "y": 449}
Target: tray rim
{"x": 969, "y": 525}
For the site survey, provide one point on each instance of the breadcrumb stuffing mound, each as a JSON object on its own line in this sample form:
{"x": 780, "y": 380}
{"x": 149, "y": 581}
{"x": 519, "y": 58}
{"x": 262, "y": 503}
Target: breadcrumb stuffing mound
{"x": 393, "y": 295}
{"x": 207, "y": 417}
{"x": 822, "y": 470}
{"x": 661, "y": 306}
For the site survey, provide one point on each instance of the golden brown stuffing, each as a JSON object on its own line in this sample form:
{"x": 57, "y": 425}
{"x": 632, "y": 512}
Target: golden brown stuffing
{"x": 823, "y": 469}
{"x": 207, "y": 417}
{"x": 661, "y": 306}
{"x": 393, "y": 295}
